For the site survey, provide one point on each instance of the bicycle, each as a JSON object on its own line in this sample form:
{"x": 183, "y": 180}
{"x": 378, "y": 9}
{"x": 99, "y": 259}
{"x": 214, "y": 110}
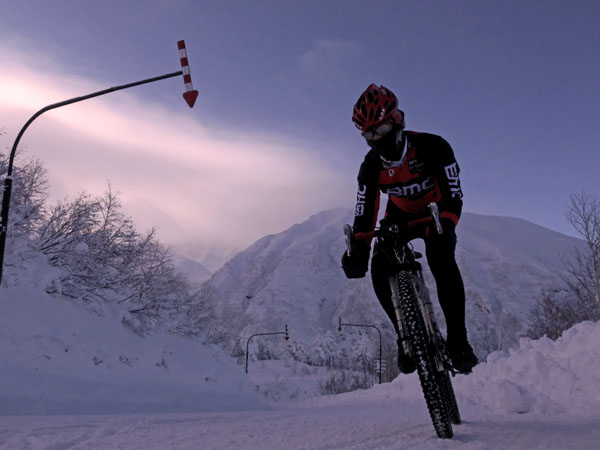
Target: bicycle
{"x": 419, "y": 332}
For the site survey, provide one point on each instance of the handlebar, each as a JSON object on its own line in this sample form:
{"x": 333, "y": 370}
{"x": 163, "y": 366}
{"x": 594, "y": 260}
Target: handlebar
{"x": 434, "y": 216}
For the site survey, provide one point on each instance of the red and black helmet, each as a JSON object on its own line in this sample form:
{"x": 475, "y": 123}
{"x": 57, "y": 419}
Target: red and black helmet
{"x": 375, "y": 106}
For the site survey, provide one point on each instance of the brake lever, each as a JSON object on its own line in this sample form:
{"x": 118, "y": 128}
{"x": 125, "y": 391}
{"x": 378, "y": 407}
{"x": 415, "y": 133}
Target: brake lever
{"x": 435, "y": 213}
{"x": 348, "y": 232}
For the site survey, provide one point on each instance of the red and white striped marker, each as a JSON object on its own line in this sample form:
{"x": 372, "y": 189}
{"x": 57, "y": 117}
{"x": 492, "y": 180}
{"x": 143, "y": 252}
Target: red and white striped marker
{"x": 190, "y": 94}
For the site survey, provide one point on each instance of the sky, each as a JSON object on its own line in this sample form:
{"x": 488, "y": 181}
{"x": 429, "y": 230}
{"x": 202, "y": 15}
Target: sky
{"x": 512, "y": 85}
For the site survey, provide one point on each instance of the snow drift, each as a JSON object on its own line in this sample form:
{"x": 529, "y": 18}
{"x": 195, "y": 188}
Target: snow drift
{"x": 58, "y": 359}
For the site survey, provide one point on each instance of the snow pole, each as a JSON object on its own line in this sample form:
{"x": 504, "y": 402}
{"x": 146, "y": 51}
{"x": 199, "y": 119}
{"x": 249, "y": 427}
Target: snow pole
{"x": 190, "y": 94}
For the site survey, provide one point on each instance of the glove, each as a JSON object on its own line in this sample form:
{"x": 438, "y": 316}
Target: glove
{"x": 447, "y": 224}
{"x": 356, "y": 265}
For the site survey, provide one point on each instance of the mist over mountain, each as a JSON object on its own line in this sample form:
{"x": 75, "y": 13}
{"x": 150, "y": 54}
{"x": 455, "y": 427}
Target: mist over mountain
{"x": 294, "y": 278}
{"x": 195, "y": 272}
{"x": 210, "y": 255}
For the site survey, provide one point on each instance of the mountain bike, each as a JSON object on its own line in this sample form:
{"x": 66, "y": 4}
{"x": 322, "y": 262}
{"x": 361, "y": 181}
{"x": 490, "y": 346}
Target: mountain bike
{"x": 419, "y": 336}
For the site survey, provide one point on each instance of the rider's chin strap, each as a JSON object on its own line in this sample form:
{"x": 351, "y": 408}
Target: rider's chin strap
{"x": 389, "y": 163}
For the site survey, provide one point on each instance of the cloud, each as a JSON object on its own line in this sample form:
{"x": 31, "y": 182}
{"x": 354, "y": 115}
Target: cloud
{"x": 327, "y": 64}
{"x": 192, "y": 181}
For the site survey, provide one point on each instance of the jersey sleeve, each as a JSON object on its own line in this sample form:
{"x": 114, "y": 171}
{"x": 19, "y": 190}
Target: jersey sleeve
{"x": 447, "y": 173}
{"x": 367, "y": 197}
{"x": 444, "y": 167}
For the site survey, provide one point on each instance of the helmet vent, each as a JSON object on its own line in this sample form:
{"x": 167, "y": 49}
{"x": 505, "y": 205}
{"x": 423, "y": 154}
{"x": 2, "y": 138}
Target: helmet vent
{"x": 375, "y": 105}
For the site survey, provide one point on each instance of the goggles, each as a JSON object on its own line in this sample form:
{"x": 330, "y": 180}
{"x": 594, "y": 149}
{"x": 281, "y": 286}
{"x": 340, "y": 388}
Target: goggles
{"x": 378, "y": 132}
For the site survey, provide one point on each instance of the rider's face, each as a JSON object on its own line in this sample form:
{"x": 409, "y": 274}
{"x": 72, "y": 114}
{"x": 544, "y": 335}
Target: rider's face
{"x": 377, "y": 132}
{"x": 389, "y": 146}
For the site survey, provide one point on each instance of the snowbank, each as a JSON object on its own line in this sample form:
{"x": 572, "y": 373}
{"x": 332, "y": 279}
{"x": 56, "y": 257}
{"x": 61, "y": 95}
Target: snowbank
{"x": 541, "y": 376}
{"x": 57, "y": 359}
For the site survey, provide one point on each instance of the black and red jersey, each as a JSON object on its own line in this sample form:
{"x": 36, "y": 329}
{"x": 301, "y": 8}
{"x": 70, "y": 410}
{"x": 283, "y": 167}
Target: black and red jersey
{"x": 426, "y": 172}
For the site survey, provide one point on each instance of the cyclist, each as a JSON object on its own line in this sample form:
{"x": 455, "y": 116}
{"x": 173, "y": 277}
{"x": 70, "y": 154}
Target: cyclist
{"x": 413, "y": 169}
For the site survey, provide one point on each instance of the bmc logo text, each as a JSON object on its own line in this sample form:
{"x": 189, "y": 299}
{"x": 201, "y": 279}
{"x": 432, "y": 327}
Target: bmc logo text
{"x": 412, "y": 190}
{"x": 360, "y": 200}
{"x": 453, "y": 181}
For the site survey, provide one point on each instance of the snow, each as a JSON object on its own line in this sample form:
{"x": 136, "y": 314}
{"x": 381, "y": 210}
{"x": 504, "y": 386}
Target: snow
{"x": 541, "y": 394}
{"x": 566, "y": 372}
{"x": 72, "y": 379}
{"x": 57, "y": 359}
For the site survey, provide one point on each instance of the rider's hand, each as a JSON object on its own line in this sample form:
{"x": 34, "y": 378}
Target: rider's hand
{"x": 447, "y": 224}
{"x": 356, "y": 265}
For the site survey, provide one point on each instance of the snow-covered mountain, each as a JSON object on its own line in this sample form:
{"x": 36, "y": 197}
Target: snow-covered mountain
{"x": 211, "y": 255}
{"x": 294, "y": 278}
{"x": 194, "y": 271}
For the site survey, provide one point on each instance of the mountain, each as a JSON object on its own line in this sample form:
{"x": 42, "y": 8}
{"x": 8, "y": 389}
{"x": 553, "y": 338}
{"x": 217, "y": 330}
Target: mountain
{"x": 195, "y": 272}
{"x": 294, "y": 278}
{"x": 211, "y": 255}
{"x": 505, "y": 263}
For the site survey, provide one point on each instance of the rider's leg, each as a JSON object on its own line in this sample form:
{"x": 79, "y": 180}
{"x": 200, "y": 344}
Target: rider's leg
{"x": 440, "y": 250}
{"x": 451, "y": 291}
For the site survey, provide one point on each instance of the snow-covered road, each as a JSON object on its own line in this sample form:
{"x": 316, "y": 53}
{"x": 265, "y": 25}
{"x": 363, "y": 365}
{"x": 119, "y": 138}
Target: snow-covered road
{"x": 357, "y": 426}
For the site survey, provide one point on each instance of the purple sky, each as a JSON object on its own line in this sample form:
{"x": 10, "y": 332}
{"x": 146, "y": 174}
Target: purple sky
{"x": 512, "y": 85}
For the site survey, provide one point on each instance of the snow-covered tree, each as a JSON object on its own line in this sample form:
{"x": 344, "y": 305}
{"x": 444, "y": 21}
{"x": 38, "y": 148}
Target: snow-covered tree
{"x": 104, "y": 258}
{"x": 29, "y": 192}
{"x": 577, "y": 298}
{"x": 583, "y": 214}
{"x": 363, "y": 353}
{"x": 325, "y": 350}
{"x": 100, "y": 255}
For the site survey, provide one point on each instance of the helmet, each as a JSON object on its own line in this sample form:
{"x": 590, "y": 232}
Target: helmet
{"x": 375, "y": 106}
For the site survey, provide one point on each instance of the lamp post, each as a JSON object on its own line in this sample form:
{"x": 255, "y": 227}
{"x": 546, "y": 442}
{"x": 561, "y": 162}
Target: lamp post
{"x": 263, "y": 334}
{"x": 189, "y": 96}
{"x": 364, "y": 325}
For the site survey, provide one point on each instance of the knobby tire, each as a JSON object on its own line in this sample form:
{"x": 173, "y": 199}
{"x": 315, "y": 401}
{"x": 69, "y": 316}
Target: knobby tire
{"x": 445, "y": 384}
{"x": 423, "y": 354}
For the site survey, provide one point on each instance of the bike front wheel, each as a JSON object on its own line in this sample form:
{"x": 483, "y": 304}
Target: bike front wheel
{"x": 447, "y": 392}
{"x": 424, "y": 354}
